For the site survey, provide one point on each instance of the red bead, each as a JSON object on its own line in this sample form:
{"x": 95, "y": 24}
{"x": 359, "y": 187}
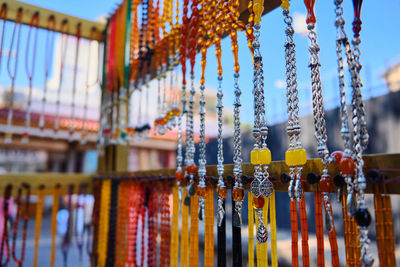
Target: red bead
{"x": 191, "y": 169}
{"x": 347, "y": 166}
{"x": 202, "y": 191}
{"x": 338, "y": 156}
{"x": 179, "y": 176}
{"x": 258, "y": 202}
{"x": 325, "y": 184}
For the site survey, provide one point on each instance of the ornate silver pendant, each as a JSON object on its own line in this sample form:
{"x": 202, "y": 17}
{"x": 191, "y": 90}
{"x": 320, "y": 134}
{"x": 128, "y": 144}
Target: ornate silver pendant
{"x": 255, "y": 187}
{"x": 266, "y": 188}
{"x": 262, "y": 233}
{"x": 220, "y": 212}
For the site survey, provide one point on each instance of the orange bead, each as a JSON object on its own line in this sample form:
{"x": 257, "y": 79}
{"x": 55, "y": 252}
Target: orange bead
{"x": 202, "y": 191}
{"x": 238, "y": 193}
{"x": 347, "y": 166}
{"x": 179, "y": 176}
{"x": 325, "y": 184}
{"x": 222, "y": 192}
{"x": 338, "y": 156}
{"x": 258, "y": 202}
{"x": 191, "y": 169}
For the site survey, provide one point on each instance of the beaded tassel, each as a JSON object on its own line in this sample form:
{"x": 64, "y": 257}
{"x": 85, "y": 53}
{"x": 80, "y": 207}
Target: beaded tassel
{"x": 103, "y": 223}
{"x": 262, "y": 248}
{"x": 295, "y": 237}
{"x": 185, "y": 233}
{"x": 209, "y": 229}
{"x": 251, "y": 228}
{"x": 93, "y": 229}
{"x": 38, "y": 222}
{"x": 274, "y": 238}
{"x": 54, "y": 211}
{"x": 350, "y": 237}
{"x": 319, "y": 230}
{"x": 304, "y": 232}
{"x": 134, "y": 200}
{"x": 194, "y": 232}
{"x": 333, "y": 243}
{"x": 5, "y": 246}
{"x": 174, "y": 252}
{"x": 122, "y": 221}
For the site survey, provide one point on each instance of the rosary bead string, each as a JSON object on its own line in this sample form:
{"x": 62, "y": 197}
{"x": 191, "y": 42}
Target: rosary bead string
{"x": 30, "y": 71}
{"x": 63, "y": 52}
{"x": 4, "y": 238}
{"x": 12, "y": 73}
{"x": 22, "y": 210}
{"x": 38, "y": 222}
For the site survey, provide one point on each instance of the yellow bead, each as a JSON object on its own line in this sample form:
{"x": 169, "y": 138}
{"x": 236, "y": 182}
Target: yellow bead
{"x": 285, "y": 4}
{"x": 296, "y": 157}
{"x": 264, "y": 156}
{"x": 254, "y": 154}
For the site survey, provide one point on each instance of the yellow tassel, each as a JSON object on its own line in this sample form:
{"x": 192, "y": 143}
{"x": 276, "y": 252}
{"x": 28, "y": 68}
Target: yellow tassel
{"x": 194, "y": 231}
{"x": 38, "y": 223}
{"x": 209, "y": 229}
{"x": 103, "y": 223}
{"x": 250, "y": 228}
{"x": 274, "y": 239}
{"x": 175, "y": 227}
{"x": 185, "y": 232}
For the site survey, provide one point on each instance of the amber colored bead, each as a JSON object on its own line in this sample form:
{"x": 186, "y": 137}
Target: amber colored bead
{"x": 222, "y": 192}
{"x": 179, "y": 176}
{"x": 325, "y": 184}
{"x": 238, "y": 193}
{"x": 285, "y": 4}
{"x": 202, "y": 191}
{"x": 338, "y": 156}
{"x": 347, "y": 166}
{"x": 191, "y": 169}
{"x": 258, "y": 202}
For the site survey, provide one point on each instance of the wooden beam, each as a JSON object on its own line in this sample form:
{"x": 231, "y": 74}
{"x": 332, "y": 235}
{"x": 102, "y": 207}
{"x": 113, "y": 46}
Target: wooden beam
{"x": 388, "y": 164}
{"x": 44, "y": 14}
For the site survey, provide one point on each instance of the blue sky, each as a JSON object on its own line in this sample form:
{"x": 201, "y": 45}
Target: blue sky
{"x": 380, "y": 49}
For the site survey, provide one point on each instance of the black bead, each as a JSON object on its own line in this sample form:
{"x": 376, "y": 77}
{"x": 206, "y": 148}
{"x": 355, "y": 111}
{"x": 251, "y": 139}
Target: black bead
{"x": 313, "y": 178}
{"x": 246, "y": 179}
{"x": 213, "y": 180}
{"x": 285, "y": 178}
{"x": 374, "y": 176}
{"x": 363, "y": 217}
{"x": 230, "y": 180}
{"x": 339, "y": 181}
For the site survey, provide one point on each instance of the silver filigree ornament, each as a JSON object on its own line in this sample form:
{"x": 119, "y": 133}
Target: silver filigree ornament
{"x": 262, "y": 232}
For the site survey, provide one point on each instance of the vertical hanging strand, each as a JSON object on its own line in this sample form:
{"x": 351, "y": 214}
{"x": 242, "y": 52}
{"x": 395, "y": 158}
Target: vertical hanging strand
{"x": 48, "y": 53}
{"x": 221, "y": 246}
{"x": 351, "y": 237}
{"x": 304, "y": 232}
{"x": 29, "y": 69}
{"x": 22, "y": 210}
{"x": 251, "y": 229}
{"x": 103, "y": 223}
{"x": 262, "y": 248}
{"x": 333, "y": 242}
{"x": 74, "y": 83}
{"x": 209, "y": 229}
{"x": 113, "y": 213}
{"x": 54, "y": 211}
{"x": 15, "y": 41}
{"x": 93, "y": 230}
{"x": 174, "y": 253}
{"x": 389, "y": 232}
{"x": 380, "y": 232}
{"x": 38, "y": 222}
{"x": 295, "y": 234}
{"x": 194, "y": 232}
{"x": 274, "y": 239}
{"x": 66, "y": 242}
{"x": 131, "y": 231}
{"x": 319, "y": 230}
{"x": 236, "y": 242}
{"x": 121, "y": 229}
{"x": 63, "y": 53}
{"x": 184, "y": 233}
{"x": 3, "y": 17}
{"x": 5, "y": 246}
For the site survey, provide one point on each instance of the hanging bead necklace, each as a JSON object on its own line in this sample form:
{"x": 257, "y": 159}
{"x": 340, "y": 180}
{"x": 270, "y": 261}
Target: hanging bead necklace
{"x": 191, "y": 167}
{"x": 74, "y": 83}
{"x": 30, "y": 71}
{"x": 3, "y": 17}
{"x": 15, "y": 40}
{"x": 325, "y": 183}
{"x": 63, "y": 53}
{"x": 49, "y": 46}
{"x": 4, "y": 239}
{"x": 24, "y": 212}
{"x": 260, "y": 155}
{"x": 88, "y": 85}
